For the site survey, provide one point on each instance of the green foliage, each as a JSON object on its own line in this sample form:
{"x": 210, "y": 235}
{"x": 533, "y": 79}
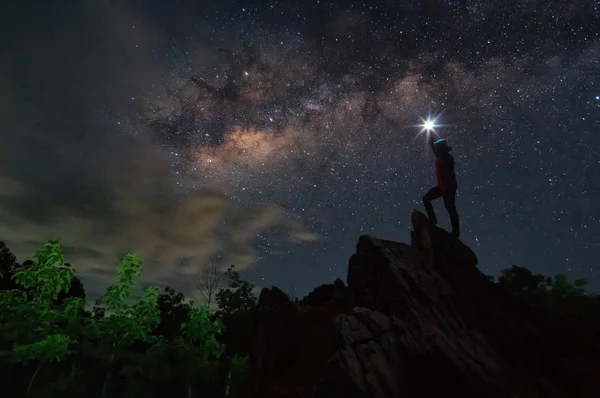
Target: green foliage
{"x": 129, "y": 269}
{"x": 520, "y": 280}
{"x": 198, "y": 344}
{"x": 121, "y": 324}
{"x": 116, "y": 349}
{"x": 561, "y": 288}
{"x": 30, "y": 315}
{"x": 52, "y": 348}
{"x": 238, "y": 295}
{"x": 201, "y": 330}
{"x": 555, "y": 294}
{"x": 47, "y": 275}
{"x": 39, "y": 329}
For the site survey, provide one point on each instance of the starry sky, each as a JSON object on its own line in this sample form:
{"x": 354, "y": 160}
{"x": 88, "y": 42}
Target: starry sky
{"x": 272, "y": 134}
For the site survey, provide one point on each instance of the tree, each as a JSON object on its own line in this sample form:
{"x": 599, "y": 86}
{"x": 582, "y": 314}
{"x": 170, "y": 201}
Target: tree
{"x": 121, "y": 343}
{"x": 237, "y": 296}
{"x": 8, "y": 262}
{"x": 561, "y": 288}
{"x": 556, "y": 294}
{"x": 236, "y": 303}
{"x": 209, "y": 281}
{"x": 40, "y": 330}
{"x": 76, "y": 288}
{"x": 122, "y": 324}
{"x": 190, "y": 358}
{"x": 174, "y": 311}
{"x": 198, "y": 346}
{"x": 521, "y": 281}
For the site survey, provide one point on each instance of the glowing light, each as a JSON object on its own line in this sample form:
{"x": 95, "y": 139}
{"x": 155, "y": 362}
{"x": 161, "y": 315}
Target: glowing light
{"x": 429, "y": 125}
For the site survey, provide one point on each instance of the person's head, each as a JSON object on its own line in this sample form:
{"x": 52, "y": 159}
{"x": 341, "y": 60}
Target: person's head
{"x": 441, "y": 147}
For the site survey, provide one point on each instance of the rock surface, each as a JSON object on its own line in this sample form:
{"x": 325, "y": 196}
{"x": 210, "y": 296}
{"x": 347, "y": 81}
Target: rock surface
{"x": 293, "y": 345}
{"x": 416, "y": 320}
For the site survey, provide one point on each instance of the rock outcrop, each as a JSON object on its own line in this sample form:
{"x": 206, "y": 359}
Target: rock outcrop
{"x": 293, "y": 344}
{"x": 416, "y": 320}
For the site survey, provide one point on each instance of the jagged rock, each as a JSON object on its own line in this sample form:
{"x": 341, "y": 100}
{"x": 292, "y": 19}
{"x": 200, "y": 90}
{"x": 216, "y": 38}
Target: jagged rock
{"x": 428, "y": 237}
{"x": 293, "y": 344}
{"x": 327, "y": 293}
{"x": 427, "y": 323}
{"x": 367, "y": 362}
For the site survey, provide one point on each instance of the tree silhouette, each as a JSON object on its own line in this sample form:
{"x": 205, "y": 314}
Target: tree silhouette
{"x": 209, "y": 281}
{"x": 237, "y": 296}
{"x": 174, "y": 311}
{"x": 8, "y": 262}
{"x": 521, "y": 281}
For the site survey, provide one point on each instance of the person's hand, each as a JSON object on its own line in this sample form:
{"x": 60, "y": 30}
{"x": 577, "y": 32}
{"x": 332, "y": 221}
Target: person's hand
{"x": 431, "y": 144}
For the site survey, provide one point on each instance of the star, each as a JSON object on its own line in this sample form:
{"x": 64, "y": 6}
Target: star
{"x": 304, "y": 129}
{"x": 428, "y": 125}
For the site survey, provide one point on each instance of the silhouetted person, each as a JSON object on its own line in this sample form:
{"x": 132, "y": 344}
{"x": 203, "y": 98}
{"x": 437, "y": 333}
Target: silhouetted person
{"x": 446, "y": 184}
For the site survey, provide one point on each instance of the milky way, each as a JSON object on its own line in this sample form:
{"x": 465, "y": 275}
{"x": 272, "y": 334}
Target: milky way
{"x": 289, "y": 129}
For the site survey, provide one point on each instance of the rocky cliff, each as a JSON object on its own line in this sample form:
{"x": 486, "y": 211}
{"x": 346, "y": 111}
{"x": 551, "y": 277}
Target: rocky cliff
{"x": 416, "y": 320}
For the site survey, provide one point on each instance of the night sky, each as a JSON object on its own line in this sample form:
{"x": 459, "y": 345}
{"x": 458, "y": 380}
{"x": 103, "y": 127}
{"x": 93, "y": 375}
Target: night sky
{"x": 272, "y": 134}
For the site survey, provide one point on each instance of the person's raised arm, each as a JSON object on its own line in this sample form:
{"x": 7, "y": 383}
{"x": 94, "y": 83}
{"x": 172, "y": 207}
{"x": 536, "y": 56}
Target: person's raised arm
{"x": 431, "y": 141}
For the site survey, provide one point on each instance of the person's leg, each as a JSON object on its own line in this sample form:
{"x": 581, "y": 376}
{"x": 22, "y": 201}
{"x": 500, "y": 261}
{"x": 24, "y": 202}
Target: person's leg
{"x": 450, "y": 204}
{"x": 434, "y": 193}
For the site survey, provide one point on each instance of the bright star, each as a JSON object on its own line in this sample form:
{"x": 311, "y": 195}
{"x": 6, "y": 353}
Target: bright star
{"x": 429, "y": 125}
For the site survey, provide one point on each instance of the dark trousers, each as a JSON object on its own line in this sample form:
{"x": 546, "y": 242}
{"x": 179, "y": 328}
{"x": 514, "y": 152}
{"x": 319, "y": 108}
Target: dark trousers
{"x": 449, "y": 202}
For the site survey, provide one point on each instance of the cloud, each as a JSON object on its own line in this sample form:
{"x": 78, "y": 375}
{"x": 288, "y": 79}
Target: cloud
{"x": 77, "y": 163}
{"x": 9, "y": 187}
{"x": 174, "y": 242}
{"x": 304, "y": 236}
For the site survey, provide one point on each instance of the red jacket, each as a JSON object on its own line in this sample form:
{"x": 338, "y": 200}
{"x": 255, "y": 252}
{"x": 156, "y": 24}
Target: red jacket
{"x": 444, "y": 170}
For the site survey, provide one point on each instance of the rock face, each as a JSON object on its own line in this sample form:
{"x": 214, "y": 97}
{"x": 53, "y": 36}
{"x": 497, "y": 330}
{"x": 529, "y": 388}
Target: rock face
{"x": 416, "y": 320}
{"x": 293, "y": 344}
